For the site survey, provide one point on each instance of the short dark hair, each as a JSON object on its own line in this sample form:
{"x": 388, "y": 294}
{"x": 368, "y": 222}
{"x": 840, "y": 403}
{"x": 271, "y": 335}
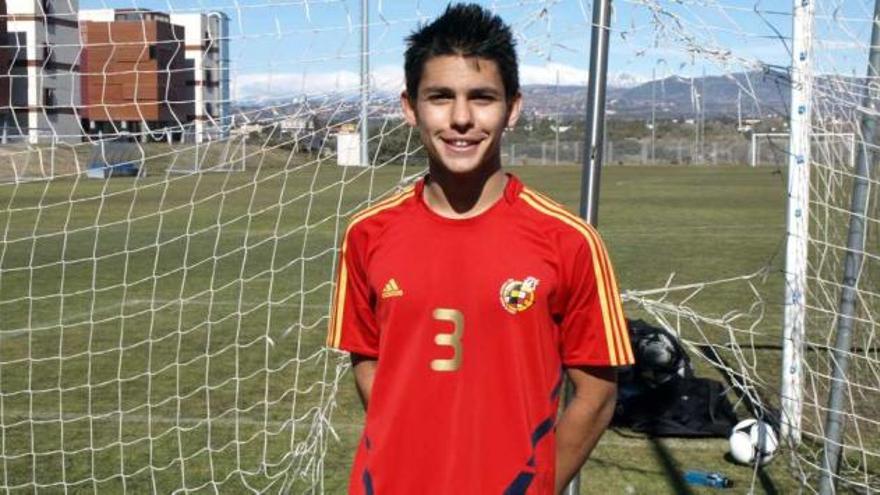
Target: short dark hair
{"x": 465, "y": 29}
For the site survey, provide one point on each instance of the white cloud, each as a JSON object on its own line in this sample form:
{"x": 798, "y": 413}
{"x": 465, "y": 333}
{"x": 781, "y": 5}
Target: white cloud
{"x": 389, "y": 78}
{"x": 547, "y": 74}
{"x": 572, "y": 76}
{"x": 272, "y": 85}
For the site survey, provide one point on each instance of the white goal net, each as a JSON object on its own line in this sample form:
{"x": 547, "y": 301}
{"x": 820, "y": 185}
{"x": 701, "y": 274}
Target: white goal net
{"x": 174, "y": 180}
{"x": 175, "y": 177}
{"x": 820, "y": 130}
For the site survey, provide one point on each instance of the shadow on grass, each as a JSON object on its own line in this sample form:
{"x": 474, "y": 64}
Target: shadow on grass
{"x": 757, "y": 410}
{"x": 673, "y": 473}
{"x": 621, "y": 466}
{"x": 766, "y": 482}
{"x": 763, "y": 477}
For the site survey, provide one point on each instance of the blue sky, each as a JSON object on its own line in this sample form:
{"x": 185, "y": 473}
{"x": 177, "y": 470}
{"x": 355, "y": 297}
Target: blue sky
{"x": 281, "y": 47}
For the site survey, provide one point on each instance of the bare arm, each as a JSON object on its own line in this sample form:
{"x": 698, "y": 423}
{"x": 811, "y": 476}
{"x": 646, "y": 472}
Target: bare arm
{"x": 584, "y": 419}
{"x": 364, "y": 370}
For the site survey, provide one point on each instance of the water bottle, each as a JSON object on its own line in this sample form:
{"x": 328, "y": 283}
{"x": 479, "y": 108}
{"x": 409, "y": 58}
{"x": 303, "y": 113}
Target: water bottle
{"x": 702, "y": 478}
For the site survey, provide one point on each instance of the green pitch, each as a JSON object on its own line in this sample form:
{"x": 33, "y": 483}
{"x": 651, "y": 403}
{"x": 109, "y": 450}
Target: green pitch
{"x": 162, "y": 334}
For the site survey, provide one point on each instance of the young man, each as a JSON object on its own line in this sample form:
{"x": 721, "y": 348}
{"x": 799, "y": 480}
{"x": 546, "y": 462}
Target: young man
{"x": 464, "y": 299}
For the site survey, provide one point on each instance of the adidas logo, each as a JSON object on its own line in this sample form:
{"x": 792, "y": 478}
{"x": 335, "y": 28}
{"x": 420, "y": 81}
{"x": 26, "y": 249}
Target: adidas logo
{"x": 391, "y": 289}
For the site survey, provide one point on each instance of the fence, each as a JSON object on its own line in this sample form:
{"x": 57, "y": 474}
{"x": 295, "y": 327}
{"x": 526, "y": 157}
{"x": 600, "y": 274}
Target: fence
{"x": 634, "y": 151}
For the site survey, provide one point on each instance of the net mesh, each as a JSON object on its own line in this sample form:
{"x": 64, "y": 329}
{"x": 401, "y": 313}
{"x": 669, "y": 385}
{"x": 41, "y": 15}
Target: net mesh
{"x": 164, "y": 332}
{"x": 173, "y": 196}
{"x": 172, "y": 199}
{"x": 844, "y": 100}
{"x": 751, "y": 44}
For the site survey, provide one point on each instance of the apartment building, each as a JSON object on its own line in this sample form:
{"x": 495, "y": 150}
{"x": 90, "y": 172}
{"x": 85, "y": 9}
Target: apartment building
{"x": 206, "y": 53}
{"x": 207, "y": 47}
{"x": 43, "y": 45}
{"x": 135, "y": 76}
{"x": 5, "y": 62}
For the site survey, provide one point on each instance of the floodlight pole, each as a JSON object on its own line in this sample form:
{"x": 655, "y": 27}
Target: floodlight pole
{"x": 365, "y": 82}
{"x": 595, "y": 133}
{"x": 653, "y": 114}
{"x": 797, "y": 221}
{"x": 855, "y": 248}
{"x": 592, "y": 163}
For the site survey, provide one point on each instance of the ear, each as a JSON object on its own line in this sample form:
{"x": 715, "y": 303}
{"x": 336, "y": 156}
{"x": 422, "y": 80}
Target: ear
{"x": 409, "y": 111}
{"x": 514, "y": 110}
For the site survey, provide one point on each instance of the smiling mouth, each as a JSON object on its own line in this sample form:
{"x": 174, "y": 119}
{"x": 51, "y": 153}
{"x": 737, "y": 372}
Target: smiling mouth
{"x": 461, "y": 144}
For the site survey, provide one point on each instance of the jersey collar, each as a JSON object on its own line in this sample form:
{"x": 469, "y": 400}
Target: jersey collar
{"x": 511, "y": 190}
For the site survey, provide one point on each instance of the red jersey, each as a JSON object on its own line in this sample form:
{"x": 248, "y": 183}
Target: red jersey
{"x": 472, "y": 321}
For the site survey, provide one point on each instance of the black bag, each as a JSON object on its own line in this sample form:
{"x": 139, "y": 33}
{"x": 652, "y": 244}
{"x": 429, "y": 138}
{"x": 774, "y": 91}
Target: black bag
{"x": 659, "y": 395}
{"x": 687, "y": 407}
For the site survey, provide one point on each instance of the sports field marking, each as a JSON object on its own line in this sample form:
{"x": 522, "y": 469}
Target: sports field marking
{"x": 226, "y": 419}
{"x": 111, "y": 311}
{"x": 355, "y": 427}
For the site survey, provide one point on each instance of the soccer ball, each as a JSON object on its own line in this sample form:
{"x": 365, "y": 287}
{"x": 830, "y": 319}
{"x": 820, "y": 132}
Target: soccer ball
{"x": 753, "y": 441}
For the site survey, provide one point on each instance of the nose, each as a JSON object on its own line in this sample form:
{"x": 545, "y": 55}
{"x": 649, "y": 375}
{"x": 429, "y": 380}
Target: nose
{"x": 462, "y": 118}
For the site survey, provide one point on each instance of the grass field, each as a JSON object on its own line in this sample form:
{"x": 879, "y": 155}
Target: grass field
{"x": 165, "y": 334}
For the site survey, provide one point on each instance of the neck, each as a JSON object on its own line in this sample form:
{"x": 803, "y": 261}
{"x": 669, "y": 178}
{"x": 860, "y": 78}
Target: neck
{"x": 463, "y": 195}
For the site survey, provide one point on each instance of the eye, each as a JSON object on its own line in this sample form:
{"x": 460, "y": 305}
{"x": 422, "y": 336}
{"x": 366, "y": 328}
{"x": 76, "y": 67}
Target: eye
{"x": 437, "y": 97}
{"x": 484, "y": 98}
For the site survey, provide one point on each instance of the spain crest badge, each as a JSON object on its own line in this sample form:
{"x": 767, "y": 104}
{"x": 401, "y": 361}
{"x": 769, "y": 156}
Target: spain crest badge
{"x": 518, "y": 295}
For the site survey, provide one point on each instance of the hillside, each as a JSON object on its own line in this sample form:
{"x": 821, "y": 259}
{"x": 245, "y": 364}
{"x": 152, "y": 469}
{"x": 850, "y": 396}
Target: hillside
{"x": 761, "y": 95}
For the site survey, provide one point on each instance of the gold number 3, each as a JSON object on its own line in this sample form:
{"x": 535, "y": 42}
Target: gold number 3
{"x": 449, "y": 339}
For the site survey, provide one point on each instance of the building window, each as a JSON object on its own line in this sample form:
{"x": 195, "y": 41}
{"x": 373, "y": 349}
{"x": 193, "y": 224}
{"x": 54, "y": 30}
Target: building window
{"x": 48, "y": 97}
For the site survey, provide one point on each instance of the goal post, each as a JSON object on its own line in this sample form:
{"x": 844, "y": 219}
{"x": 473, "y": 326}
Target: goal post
{"x": 757, "y": 139}
{"x": 797, "y": 224}
{"x": 228, "y": 154}
{"x": 772, "y": 148}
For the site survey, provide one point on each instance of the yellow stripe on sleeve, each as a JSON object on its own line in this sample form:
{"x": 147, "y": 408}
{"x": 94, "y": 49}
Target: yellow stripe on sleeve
{"x": 334, "y": 336}
{"x": 628, "y": 357}
{"x": 618, "y": 321}
{"x": 616, "y": 338}
{"x": 617, "y": 308}
{"x": 381, "y": 205}
{"x": 338, "y": 304}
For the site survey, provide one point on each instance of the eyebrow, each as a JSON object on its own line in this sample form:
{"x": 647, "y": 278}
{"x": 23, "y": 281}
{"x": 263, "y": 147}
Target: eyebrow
{"x": 478, "y": 91}
{"x": 437, "y": 89}
{"x": 484, "y": 91}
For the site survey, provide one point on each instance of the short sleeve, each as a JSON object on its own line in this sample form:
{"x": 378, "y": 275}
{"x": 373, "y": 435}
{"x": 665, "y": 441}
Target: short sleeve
{"x": 593, "y": 328}
{"x": 353, "y": 325}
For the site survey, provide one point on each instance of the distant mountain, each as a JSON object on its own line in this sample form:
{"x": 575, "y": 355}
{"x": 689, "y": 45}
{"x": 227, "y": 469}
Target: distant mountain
{"x": 760, "y": 95}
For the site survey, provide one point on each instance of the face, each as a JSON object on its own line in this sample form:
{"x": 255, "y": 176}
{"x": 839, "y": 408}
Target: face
{"x": 461, "y": 112}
